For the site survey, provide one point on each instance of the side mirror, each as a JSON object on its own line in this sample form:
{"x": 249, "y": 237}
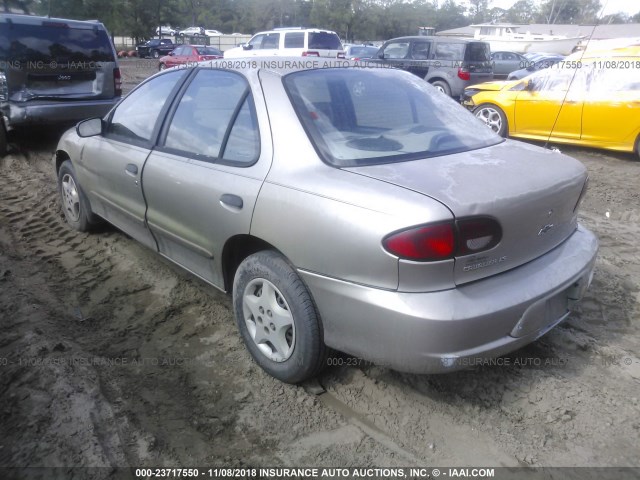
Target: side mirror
{"x": 89, "y": 128}
{"x": 529, "y": 85}
{"x": 247, "y": 46}
{"x": 381, "y": 55}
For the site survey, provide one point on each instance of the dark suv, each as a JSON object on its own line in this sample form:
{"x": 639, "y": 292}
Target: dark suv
{"x": 54, "y": 71}
{"x": 449, "y": 64}
{"x": 156, "y": 48}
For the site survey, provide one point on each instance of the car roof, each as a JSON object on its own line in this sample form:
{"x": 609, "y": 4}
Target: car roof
{"x": 286, "y": 30}
{"x": 436, "y": 39}
{"x": 35, "y": 20}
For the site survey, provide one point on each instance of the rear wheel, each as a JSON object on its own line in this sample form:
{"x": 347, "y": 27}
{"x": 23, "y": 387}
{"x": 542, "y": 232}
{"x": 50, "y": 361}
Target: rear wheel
{"x": 277, "y": 318}
{"x": 442, "y": 86}
{"x": 493, "y": 117}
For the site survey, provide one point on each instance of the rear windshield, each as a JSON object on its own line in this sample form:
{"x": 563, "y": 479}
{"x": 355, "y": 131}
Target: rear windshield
{"x": 56, "y": 44}
{"x": 478, "y": 52}
{"x": 324, "y": 41}
{"x": 368, "y": 116}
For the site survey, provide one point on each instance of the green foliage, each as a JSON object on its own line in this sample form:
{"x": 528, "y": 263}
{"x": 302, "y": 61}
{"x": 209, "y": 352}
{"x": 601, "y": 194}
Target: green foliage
{"x": 354, "y": 20}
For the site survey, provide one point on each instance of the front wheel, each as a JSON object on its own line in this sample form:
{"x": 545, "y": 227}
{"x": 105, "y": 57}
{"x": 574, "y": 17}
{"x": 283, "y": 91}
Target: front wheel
{"x": 493, "y": 117}
{"x": 277, "y": 318}
{"x": 4, "y": 145}
{"x": 638, "y": 148}
{"x": 155, "y": 54}
{"x": 75, "y": 205}
{"x": 162, "y": 66}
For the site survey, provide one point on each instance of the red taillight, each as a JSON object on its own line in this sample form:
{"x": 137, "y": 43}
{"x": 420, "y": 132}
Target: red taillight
{"x": 117, "y": 82}
{"x": 463, "y": 74}
{"x": 425, "y": 243}
{"x": 442, "y": 241}
{"x": 310, "y": 54}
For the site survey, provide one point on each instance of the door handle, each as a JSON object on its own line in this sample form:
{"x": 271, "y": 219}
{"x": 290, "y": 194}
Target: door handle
{"x": 233, "y": 201}
{"x": 132, "y": 169}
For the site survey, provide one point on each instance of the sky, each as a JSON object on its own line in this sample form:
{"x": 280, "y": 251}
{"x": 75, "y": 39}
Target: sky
{"x": 612, "y": 6}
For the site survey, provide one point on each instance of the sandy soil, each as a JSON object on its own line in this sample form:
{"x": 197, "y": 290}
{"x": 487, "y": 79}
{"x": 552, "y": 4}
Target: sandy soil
{"x": 109, "y": 356}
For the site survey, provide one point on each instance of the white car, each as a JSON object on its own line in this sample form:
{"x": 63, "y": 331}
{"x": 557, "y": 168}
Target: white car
{"x": 166, "y": 30}
{"x": 191, "y": 32}
{"x": 212, "y": 33}
{"x": 305, "y": 42}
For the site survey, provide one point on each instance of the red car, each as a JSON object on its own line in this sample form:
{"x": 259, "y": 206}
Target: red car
{"x": 189, "y": 54}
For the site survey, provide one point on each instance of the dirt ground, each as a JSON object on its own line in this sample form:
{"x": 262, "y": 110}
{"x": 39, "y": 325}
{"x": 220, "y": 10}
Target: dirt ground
{"x": 110, "y": 356}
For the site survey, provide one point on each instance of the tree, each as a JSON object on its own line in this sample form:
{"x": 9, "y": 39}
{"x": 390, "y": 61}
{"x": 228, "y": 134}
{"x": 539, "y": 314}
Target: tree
{"x": 21, "y": 5}
{"x": 523, "y": 11}
{"x": 570, "y": 11}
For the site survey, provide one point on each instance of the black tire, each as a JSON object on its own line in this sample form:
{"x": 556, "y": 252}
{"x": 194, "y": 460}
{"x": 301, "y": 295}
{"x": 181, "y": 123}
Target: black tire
{"x": 494, "y": 118}
{"x": 306, "y": 350}
{"x": 79, "y": 217}
{"x": 443, "y": 87}
{"x": 4, "y": 146}
{"x": 155, "y": 54}
{"x": 638, "y": 148}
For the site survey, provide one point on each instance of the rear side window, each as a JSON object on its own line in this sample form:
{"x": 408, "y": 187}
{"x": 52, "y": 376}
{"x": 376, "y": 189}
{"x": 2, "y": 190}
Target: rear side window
{"x": 324, "y": 41}
{"x": 208, "y": 51}
{"x": 365, "y": 117}
{"x": 57, "y": 43}
{"x": 481, "y": 52}
{"x": 216, "y": 120}
{"x": 449, "y": 51}
{"x": 294, "y": 40}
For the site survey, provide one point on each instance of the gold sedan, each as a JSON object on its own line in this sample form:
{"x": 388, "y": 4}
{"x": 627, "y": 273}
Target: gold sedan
{"x": 591, "y": 100}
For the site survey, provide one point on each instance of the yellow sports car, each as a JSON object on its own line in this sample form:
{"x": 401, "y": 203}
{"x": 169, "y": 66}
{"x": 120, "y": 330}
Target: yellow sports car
{"x": 591, "y": 100}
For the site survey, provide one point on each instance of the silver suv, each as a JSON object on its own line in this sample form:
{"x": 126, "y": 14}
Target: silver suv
{"x": 54, "y": 71}
{"x": 305, "y": 42}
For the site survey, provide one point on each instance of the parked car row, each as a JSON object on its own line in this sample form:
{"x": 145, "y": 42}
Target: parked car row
{"x": 590, "y": 99}
{"x": 187, "y": 32}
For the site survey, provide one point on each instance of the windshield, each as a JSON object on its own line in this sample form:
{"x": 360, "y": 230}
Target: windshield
{"x": 368, "y": 116}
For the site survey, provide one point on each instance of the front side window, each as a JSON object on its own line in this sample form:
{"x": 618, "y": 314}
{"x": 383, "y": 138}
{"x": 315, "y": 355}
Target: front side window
{"x": 367, "y": 117}
{"x": 271, "y": 41}
{"x": 216, "y": 120}
{"x": 256, "y": 41}
{"x": 396, "y": 50}
{"x": 135, "y": 117}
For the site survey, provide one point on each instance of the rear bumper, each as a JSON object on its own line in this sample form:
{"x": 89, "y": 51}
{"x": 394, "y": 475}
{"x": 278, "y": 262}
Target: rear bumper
{"x": 54, "y": 112}
{"x": 454, "y": 329}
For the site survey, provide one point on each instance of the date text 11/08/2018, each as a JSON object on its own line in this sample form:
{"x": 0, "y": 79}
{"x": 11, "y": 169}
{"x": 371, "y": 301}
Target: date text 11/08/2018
{"x": 321, "y": 473}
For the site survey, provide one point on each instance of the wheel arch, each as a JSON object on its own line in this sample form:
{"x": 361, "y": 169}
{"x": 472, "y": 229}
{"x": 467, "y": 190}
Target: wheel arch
{"x": 235, "y": 250}
{"x": 60, "y": 157}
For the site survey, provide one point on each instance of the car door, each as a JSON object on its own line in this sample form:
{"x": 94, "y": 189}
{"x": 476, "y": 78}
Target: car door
{"x": 111, "y": 164}
{"x": 611, "y": 114}
{"x": 202, "y": 181}
{"x": 178, "y": 57}
{"x": 420, "y": 53}
{"x": 551, "y": 104}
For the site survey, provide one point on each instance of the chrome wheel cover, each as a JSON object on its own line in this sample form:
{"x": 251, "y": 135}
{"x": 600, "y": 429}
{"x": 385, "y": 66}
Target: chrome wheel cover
{"x": 269, "y": 320}
{"x": 70, "y": 198}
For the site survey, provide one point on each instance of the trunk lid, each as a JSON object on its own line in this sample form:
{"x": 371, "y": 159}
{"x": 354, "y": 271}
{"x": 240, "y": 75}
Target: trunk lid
{"x": 531, "y": 192}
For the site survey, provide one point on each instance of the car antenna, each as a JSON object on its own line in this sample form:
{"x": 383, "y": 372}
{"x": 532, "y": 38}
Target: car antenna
{"x": 584, "y": 50}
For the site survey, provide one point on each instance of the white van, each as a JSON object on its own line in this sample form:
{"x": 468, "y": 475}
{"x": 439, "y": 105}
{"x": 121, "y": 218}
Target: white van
{"x": 305, "y": 42}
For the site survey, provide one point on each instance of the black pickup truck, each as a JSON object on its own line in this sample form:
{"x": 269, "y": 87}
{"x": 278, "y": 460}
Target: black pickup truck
{"x": 156, "y": 48}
